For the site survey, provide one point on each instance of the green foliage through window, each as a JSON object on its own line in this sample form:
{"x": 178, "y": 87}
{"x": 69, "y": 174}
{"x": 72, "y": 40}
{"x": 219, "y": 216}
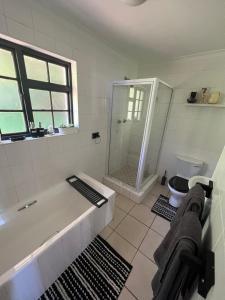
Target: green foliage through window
{"x": 34, "y": 87}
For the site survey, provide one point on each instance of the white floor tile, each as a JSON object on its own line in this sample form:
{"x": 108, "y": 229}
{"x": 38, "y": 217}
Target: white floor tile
{"x": 125, "y": 249}
{"x": 117, "y": 218}
{"x": 160, "y": 189}
{"x": 150, "y": 244}
{"x": 143, "y": 214}
{"x": 126, "y": 295}
{"x": 161, "y": 225}
{"x": 139, "y": 281}
{"x": 132, "y": 230}
{"x": 124, "y": 203}
{"x": 149, "y": 200}
{"x": 106, "y": 232}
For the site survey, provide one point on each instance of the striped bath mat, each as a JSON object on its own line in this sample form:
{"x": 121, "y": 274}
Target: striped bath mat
{"x": 99, "y": 272}
{"x": 163, "y": 208}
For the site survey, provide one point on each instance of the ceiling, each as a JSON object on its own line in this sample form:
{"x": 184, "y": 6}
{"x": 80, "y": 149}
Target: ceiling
{"x": 164, "y": 28}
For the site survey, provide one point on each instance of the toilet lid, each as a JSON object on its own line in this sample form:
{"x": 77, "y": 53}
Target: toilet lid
{"x": 179, "y": 184}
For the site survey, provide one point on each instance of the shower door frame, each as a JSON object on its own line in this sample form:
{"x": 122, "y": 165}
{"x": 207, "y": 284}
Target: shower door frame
{"x": 154, "y": 84}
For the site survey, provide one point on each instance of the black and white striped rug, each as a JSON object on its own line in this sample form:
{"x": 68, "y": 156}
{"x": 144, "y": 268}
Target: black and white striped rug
{"x": 163, "y": 208}
{"x": 99, "y": 272}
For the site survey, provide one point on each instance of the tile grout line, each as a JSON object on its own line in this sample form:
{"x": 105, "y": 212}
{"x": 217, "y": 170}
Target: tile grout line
{"x": 138, "y": 249}
{"x": 127, "y": 213}
{"x": 131, "y": 292}
{"x": 157, "y": 232}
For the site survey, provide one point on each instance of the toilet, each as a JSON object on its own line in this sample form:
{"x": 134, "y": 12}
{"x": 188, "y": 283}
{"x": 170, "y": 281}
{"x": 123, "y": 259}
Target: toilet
{"x": 187, "y": 167}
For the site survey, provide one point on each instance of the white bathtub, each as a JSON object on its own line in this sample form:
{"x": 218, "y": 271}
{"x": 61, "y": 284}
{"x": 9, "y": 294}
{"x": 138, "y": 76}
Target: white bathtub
{"x": 38, "y": 243}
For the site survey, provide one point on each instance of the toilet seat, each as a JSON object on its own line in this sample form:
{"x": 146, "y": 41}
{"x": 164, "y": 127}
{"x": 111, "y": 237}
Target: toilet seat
{"x": 179, "y": 184}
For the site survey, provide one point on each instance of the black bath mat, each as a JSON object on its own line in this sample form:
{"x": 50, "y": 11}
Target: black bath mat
{"x": 99, "y": 272}
{"x": 163, "y": 208}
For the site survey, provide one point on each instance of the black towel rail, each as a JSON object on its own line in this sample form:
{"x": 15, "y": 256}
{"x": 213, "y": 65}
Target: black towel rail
{"x": 207, "y": 188}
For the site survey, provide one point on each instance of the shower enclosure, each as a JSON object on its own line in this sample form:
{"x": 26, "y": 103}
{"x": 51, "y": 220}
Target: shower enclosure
{"x": 139, "y": 111}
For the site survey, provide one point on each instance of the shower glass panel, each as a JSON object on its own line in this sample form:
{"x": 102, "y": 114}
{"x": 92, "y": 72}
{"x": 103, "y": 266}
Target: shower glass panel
{"x": 161, "y": 108}
{"x": 129, "y": 110}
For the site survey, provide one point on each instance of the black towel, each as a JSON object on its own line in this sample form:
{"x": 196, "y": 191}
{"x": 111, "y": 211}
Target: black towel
{"x": 193, "y": 201}
{"x": 185, "y": 235}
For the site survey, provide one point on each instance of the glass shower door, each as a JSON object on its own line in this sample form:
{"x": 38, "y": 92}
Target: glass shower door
{"x": 129, "y": 110}
{"x": 160, "y": 112}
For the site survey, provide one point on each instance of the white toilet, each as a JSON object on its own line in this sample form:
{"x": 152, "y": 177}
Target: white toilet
{"x": 187, "y": 167}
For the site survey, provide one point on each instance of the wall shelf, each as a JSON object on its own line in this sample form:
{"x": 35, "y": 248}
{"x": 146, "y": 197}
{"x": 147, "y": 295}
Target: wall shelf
{"x": 206, "y": 105}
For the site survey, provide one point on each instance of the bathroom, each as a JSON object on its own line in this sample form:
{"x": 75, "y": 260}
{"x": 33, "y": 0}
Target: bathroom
{"x": 106, "y": 47}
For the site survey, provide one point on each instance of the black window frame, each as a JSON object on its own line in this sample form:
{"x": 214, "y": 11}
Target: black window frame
{"x": 24, "y": 83}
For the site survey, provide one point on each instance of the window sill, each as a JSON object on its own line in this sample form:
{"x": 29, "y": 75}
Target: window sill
{"x": 47, "y": 136}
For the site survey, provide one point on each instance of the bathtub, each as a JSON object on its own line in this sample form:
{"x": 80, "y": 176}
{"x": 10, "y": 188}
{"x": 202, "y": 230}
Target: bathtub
{"x": 39, "y": 242}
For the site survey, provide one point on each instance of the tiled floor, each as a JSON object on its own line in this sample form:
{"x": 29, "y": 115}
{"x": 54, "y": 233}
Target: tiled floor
{"x": 135, "y": 233}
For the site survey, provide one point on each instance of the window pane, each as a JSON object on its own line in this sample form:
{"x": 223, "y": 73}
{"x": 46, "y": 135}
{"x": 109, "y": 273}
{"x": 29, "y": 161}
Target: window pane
{"x": 131, "y": 93}
{"x": 137, "y": 94}
{"x": 9, "y": 94}
{"x": 12, "y": 122}
{"x": 139, "y": 116}
{"x": 142, "y": 95}
{"x": 140, "y": 105}
{"x": 59, "y": 101}
{"x": 40, "y": 99}
{"x": 129, "y": 115}
{"x": 136, "y": 105}
{"x": 135, "y": 115}
{"x": 57, "y": 74}
{"x": 130, "y": 105}
{"x": 7, "y": 67}
{"x": 60, "y": 118}
{"x": 36, "y": 69}
{"x": 44, "y": 117}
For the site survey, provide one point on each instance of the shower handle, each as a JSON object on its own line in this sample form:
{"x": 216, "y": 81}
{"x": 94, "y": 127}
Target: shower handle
{"x": 119, "y": 121}
{"x": 124, "y": 120}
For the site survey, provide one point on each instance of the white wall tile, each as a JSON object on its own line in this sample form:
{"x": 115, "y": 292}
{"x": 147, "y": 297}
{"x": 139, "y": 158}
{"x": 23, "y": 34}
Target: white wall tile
{"x": 18, "y": 153}
{"x": 3, "y": 24}
{"x": 44, "y": 41}
{"x": 43, "y": 22}
{"x": 63, "y": 49}
{"x": 20, "y": 31}
{"x": 19, "y": 11}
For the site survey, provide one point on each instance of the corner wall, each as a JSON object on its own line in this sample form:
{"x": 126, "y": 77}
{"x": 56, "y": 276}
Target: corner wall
{"x": 192, "y": 131}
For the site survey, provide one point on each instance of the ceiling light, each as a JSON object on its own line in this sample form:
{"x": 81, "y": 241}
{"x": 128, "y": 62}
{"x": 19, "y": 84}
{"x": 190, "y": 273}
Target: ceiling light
{"x": 133, "y": 2}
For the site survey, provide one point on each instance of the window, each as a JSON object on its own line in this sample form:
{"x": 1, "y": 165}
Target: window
{"x": 34, "y": 87}
{"x": 135, "y": 103}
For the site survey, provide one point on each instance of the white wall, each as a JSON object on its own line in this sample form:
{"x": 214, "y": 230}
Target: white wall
{"x": 28, "y": 167}
{"x": 194, "y": 131}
